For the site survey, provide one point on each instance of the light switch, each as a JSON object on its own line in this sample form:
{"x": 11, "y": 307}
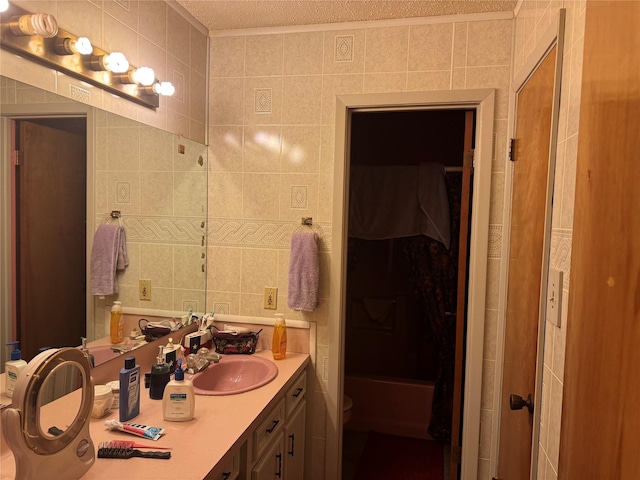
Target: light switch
{"x": 554, "y": 297}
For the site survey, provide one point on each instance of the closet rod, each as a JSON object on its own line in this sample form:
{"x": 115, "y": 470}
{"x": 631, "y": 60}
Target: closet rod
{"x": 452, "y": 169}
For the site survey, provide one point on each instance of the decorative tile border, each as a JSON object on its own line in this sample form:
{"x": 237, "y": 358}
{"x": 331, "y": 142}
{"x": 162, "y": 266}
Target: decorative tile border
{"x": 261, "y": 233}
{"x": 494, "y": 249}
{"x": 169, "y": 230}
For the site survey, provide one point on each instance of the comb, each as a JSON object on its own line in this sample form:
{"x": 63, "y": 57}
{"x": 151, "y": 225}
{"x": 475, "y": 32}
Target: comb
{"x": 126, "y": 453}
{"x": 130, "y": 444}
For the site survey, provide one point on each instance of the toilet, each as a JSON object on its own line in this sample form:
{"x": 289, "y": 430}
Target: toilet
{"x": 347, "y": 406}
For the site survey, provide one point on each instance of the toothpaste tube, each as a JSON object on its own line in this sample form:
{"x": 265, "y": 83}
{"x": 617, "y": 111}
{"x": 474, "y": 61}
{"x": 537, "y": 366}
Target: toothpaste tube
{"x": 152, "y": 433}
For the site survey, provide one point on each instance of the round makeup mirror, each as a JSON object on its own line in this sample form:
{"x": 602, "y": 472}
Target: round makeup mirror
{"x": 60, "y": 398}
{"x": 47, "y": 425}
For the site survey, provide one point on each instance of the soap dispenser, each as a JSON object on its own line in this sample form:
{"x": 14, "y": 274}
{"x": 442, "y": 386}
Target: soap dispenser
{"x": 279, "y": 344}
{"x": 160, "y": 376}
{"x": 171, "y": 354}
{"x": 92, "y": 360}
{"x": 178, "y": 401}
{"x": 116, "y": 327}
{"x": 13, "y": 368}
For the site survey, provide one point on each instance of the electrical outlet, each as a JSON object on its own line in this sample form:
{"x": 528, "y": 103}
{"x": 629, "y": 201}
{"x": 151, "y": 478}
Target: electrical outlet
{"x": 145, "y": 289}
{"x": 270, "y": 298}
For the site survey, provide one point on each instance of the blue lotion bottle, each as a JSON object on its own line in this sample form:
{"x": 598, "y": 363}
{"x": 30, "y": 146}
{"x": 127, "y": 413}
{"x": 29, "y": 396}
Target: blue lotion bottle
{"x": 129, "y": 390}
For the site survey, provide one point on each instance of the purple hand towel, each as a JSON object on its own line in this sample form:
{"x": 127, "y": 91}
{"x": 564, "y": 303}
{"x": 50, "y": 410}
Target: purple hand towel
{"x": 109, "y": 254}
{"x": 304, "y": 272}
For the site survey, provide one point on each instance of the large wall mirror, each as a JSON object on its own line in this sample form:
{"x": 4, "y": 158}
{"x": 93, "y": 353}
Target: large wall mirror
{"x": 77, "y": 165}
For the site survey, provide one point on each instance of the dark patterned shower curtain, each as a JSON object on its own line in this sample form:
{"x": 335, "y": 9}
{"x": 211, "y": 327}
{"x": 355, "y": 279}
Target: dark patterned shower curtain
{"x": 434, "y": 279}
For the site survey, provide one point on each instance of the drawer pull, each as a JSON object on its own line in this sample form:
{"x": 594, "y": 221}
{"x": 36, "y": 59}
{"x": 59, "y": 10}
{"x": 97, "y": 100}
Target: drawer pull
{"x": 226, "y": 475}
{"x": 279, "y": 472}
{"x": 297, "y": 394}
{"x": 273, "y": 427}
{"x": 292, "y": 437}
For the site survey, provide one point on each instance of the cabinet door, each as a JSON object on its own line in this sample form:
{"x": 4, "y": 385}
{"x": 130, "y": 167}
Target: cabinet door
{"x": 294, "y": 435}
{"x": 271, "y": 463}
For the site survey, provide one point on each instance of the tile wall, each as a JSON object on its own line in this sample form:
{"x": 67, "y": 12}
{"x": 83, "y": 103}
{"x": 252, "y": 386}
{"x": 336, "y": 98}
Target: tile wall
{"x": 532, "y": 20}
{"x": 271, "y": 155}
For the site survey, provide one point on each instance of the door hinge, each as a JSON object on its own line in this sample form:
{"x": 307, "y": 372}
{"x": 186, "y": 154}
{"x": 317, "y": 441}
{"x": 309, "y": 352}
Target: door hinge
{"x": 16, "y": 157}
{"x": 512, "y": 149}
{"x": 456, "y": 454}
{"x": 469, "y": 158}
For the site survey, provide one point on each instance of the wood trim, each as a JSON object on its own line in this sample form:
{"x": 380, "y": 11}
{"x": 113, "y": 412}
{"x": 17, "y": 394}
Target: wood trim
{"x": 461, "y": 308}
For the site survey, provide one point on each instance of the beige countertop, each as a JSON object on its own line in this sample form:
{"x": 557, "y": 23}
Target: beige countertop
{"x": 220, "y": 427}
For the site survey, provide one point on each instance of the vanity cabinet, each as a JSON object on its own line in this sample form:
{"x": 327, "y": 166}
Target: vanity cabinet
{"x": 276, "y": 447}
{"x": 271, "y": 464}
{"x": 294, "y": 438}
{"x": 231, "y": 470}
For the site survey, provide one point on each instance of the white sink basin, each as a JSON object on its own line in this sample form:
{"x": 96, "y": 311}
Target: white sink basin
{"x": 234, "y": 374}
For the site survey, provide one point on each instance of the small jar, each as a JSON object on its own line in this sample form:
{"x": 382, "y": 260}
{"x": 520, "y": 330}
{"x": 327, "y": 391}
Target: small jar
{"x": 115, "y": 389}
{"x": 102, "y": 401}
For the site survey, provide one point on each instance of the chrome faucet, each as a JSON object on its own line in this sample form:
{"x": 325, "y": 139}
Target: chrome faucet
{"x": 198, "y": 362}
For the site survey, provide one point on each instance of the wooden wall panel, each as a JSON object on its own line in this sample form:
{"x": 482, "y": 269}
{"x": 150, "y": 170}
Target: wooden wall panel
{"x": 600, "y": 417}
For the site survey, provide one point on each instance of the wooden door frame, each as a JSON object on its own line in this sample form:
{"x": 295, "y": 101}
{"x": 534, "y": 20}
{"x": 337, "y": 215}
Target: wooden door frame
{"x": 554, "y": 36}
{"x": 24, "y": 112}
{"x": 482, "y": 101}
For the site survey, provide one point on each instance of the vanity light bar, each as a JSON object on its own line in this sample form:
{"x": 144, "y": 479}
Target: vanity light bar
{"x": 76, "y": 57}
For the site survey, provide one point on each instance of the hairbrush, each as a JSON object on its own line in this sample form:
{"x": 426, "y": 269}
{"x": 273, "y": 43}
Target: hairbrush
{"x": 130, "y": 444}
{"x": 126, "y": 453}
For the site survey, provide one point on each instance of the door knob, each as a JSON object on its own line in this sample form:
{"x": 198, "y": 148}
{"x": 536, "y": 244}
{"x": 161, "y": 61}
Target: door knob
{"x": 516, "y": 402}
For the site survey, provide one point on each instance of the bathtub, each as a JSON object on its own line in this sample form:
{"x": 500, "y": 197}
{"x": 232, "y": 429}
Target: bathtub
{"x": 395, "y": 406}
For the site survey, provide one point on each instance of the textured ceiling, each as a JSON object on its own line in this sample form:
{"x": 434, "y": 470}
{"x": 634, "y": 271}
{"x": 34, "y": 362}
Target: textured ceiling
{"x": 241, "y": 14}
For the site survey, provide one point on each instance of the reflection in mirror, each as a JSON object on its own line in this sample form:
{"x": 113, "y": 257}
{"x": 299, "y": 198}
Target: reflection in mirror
{"x": 63, "y": 384}
{"x": 157, "y": 180}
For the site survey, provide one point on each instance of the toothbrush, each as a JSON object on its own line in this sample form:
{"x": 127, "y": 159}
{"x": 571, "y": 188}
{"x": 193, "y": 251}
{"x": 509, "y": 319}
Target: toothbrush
{"x": 131, "y": 444}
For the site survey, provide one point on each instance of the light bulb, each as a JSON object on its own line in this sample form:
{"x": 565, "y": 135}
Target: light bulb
{"x": 68, "y": 46}
{"x": 4, "y": 5}
{"x": 164, "y": 88}
{"x": 143, "y": 76}
{"x": 116, "y": 62}
{"x": 82, "y": 46}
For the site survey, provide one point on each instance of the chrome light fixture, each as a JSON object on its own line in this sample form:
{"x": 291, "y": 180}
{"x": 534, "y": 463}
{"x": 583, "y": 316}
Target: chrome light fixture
{"x": 36, "y": 36}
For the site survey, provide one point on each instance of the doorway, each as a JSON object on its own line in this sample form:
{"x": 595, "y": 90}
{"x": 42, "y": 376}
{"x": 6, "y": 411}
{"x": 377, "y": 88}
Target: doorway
{"x": 401, "y": 315}
{"x": 48, "y": 234}
{"x": 482, "y": 102}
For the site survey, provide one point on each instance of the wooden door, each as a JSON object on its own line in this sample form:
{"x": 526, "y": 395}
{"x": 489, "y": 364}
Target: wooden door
{"x": 50, "y": 233}
{"x": 600, "y": 429}
{"x": 529, "y": 199}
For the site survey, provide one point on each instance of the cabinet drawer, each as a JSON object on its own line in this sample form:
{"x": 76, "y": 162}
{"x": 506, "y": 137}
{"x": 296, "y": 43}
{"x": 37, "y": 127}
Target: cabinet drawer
{"x": 231, "y": 469}
{"x": 296, "y": 393}
{"x": 268, "y": 429}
